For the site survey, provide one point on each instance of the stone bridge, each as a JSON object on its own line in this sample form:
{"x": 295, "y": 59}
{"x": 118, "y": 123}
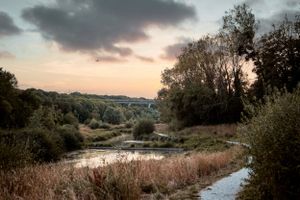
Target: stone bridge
{"x": 130, "y": 102}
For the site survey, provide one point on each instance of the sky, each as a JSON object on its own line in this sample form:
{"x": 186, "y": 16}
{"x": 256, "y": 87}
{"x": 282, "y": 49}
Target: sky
{"x": 116, "y": 47}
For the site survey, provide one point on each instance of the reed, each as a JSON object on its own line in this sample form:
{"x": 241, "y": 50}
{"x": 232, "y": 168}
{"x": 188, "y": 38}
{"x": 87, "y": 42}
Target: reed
{"x": 121, "y": 180}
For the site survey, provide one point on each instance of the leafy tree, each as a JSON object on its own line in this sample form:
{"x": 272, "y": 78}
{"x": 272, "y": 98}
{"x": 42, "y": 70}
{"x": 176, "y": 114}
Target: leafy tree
{"x": 277, "y": 60}
{"x": 72, "y": 138}
{"x": 45, "y": 118}
{"x": 69, "y": 118}
{"x": 208, "y": 82}
{"x": 94, "y": 124}
{"x": 16, "y": 106}
{"x": 143, "y": 127}
{"x": 113, "y": 116}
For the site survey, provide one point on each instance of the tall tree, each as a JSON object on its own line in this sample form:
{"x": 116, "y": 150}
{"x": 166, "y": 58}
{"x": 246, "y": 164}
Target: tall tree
{"x": 278, "y": 59}
{"x": 207, "y": 83}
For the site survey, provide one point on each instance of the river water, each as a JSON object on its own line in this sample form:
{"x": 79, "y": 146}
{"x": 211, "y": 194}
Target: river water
{"x": 96, "y": 158}
{"x": 226, "y": 188}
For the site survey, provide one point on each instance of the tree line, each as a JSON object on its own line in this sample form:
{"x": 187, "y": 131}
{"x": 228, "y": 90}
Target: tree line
{"x": 39, "y": 126}
{"x": 209, "y": 84}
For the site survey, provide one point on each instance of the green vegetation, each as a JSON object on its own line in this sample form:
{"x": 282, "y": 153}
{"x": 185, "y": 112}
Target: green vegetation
{"x": 143, "y": 127}
{"x": 274, "y": 136}
{"x": 113, "y": 116}
{"x": 207, "y": 87}
{"x": 277, "y": 59}
{"x": 39, "y": 126}
{"x": 208, "y": 84}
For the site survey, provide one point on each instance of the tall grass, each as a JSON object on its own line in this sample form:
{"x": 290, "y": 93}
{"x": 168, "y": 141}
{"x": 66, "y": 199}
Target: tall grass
{"x": 121, "y": 180}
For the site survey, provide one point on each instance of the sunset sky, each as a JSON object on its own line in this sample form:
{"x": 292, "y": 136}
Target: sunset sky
{"x": 110, "y": 46}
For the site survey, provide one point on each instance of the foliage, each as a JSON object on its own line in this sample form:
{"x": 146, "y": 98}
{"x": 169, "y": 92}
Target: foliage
{"x": 94, "y": 124}
{"x": 207, "y": 84}
{"x": 277, "y": 59}
{"x": 45, "y": 118}
{"x": 13, "y": 153}
{"x": 69, "y": 118}
{"x": 15, "y": 106}
{"x": 274, "y": 137}
{"x": 113, "y": 116}
{"x": 143, "y": 127}
{"x": 71, "y": 137}
{"x": 44, "y": 145}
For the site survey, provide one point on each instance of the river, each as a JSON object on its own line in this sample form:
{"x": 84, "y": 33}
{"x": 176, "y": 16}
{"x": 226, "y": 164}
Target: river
{"x": 93, "y": 158}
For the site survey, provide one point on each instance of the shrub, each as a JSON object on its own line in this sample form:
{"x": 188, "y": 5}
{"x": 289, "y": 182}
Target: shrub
{"x": 71, "y": 137}
{"x": 113, "y": 115}
{"x": 69, "y": 118}
{"x": 47, "y": 146}
{"x": 94, "y": 124}
{"x": 143, "y": 127}
{"x": 274, "y": 136}
{"x": 13, "y": 154}
{"x": 43, "y": 144}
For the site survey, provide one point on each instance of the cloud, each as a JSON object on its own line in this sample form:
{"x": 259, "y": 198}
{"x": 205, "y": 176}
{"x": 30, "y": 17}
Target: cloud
{"x": 7, "y": 26}
{"x": 100, "y": 25}
{"x": 266, "y": 24}
{"x": 174, "y": 50}
{"x": 253, "y": 2}
{"x": 292, "y": 3}
{"x": 286, "y": 8}
{"x": 6, "y": 55}
{"x": 109, "y": 59}
{"x": 145, "y": 59}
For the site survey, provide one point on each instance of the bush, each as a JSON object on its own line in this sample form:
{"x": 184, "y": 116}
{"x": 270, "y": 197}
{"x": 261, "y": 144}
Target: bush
{"x": 274, "y": 136}
{"x": 143, "y": 127}
{"x": 94, "y": 124}
{"x": 13, "y": 154}
{"x": 69, "y": 118}
{"x": 113, "y": 115}
{"x": 71, "y": 137}
{"x": 44, "y": 145}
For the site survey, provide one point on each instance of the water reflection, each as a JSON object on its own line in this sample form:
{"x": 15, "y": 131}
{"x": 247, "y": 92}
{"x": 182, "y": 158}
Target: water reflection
{"x": 95, "y": 158}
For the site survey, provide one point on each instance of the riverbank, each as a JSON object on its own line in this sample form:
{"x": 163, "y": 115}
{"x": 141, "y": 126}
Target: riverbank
{"x": 139, "y": 179}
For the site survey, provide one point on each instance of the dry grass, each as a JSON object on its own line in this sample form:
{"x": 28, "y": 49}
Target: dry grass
{"x": 220, "y": 130}
{"x": 117, "y": 181}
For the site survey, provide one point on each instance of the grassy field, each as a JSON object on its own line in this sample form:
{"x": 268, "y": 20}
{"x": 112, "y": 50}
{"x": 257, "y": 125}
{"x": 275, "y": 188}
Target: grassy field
{"x": 133, "y": 180}
{"x": 197, "y": 138}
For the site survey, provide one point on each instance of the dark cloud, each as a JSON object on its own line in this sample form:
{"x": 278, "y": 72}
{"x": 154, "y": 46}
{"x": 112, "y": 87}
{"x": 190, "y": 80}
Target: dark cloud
{"x": 287, "y": 9}
{"x": 145, "y": 59}
{"x": 7, "y": 26}
{"x": 98, "y": 25}
{"x": 110, "y": 59}
{"x": 6, "y": 55}
{"x": 292, "y": 3}
{"x": 266, "y": 24}
{"x": 174, "y": 50}
{"x": 253, "y": 2}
